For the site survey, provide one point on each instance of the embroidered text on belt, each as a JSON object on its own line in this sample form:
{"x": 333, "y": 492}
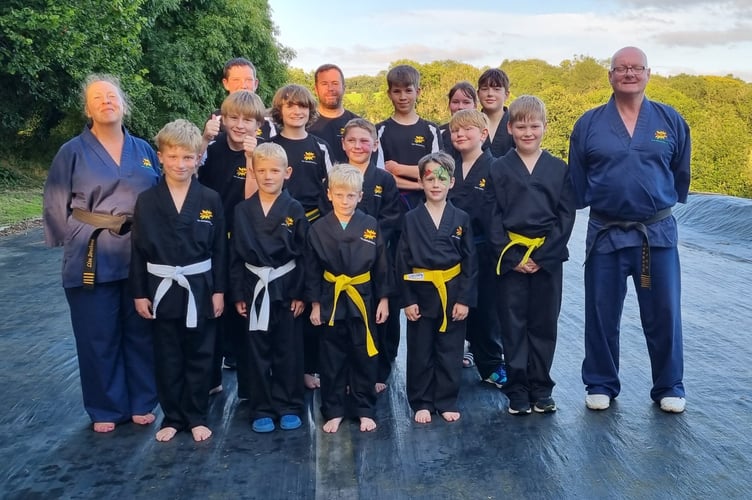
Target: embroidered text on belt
{"x": 119, "y": 224}
{"x": 518, "y": 239}
{"x": 439, "y": 279}
{"x": 313, "y": 214}
{"x": 178, "y": 274}
{"x": 626, "y": 225}
{"x": 265, "y": 274}
{"x": 344, "y": 283}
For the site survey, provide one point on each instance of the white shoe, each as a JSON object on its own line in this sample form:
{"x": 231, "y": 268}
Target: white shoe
{"x": 597, "y": 401}
{"x": 673, "y": 404}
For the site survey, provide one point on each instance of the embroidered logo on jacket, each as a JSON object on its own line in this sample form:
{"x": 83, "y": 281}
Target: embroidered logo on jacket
{"x": 660, "y": 136}
{"x": 458, "y": 232}
{"x": 419, "y": 140}
{"x": 146, "y": 163}
{"x": 309, "y": 156}
{"x": 205, "y": 216}
{"x": 369, "y": 236}
{"x": 481, "y": 184}
{"x": 377, "y": 189}
{"x": 240, "y": 172}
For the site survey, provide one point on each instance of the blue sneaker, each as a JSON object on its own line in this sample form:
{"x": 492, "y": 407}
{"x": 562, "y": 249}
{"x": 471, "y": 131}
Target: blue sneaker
{"x": 498, "y": 377}
{"x": 263, "y": 425}
{"x": 289, "y": 422}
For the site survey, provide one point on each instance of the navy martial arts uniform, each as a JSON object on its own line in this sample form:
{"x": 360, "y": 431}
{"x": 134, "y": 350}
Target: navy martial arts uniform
{"x": 266, "y": 272}
{"x": 348, "y": 363}
{"x": 113, "y": 342}
{"x": 532, "y": 216}
{"x": 469, "y": 194}
{"x": 630, "y": 184}
{"x": 435, "y": 342}
{"x": 169, "y": 247}
{"x": 502, "y": 141}
{"x": 224, "y": 171}
{"x": 331, "y": 130}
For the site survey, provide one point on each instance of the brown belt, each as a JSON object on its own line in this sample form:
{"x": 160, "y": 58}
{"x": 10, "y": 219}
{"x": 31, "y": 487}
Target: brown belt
{"x": 119, "y": 224}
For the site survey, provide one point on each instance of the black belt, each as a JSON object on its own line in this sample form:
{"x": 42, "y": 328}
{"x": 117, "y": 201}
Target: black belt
{"x": 626, "y": 225}
{"x": 118, "y": 224}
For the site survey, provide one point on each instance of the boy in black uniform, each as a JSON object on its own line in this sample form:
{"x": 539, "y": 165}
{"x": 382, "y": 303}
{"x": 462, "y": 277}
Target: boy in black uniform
{"x": 348, "y": 274}
{"x": 493, "y": 92}
{"x": 294, "y": 109}
{"x": 178, "y": 276}
{"x": 266, "y": 263}
{"x": 532, "y": 218}
{"x": 224, "y": 171}
{"x": 469, "y": 130}
{"x": 381, "y": 200}
{"x": 437, "y": 261}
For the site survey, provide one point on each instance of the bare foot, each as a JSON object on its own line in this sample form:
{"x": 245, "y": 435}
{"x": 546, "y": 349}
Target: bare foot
{"x": 215, "y": 390}
{"x": 451, "y": 416}
{"x": 380, "y": 387}
{"x": 201, "y": 433}
{"x": 367, "y": 424}
{"x": 104, "y": 426}
{"x": 332, "y": 426}
{"x": 311, "y": 381}
{"x": 423, "y": 416}
{"x": 166, "y": 433}
{"x": 145, "y": 419}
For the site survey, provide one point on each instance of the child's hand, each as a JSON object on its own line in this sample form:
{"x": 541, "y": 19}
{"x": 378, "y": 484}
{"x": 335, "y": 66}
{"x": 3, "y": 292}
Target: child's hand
{"x": 218, "y": 304}
{"x": 382, "y": 311}
{"x": 297, "y": 306}
{"x": 316, "y": 313}
{"x": 392, "y": 167}
{"x": 241, "y": 308}
{"x": 531, "y": 266}
{"x": 211, "y": 129}
{"x": 249, "y": 144}
{"x": 459, "y": 312}
{"x": 143, "y": 308}
{"x": 412, "y": 313}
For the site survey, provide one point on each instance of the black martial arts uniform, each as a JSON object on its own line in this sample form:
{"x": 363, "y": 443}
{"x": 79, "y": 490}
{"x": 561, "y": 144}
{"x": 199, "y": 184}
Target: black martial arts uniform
{"x": 331, "y": 130}
{"x": 183, "y": 349}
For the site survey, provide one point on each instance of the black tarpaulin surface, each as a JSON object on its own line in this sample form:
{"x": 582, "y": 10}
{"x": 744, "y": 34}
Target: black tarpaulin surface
{"x": 632, "y": 450}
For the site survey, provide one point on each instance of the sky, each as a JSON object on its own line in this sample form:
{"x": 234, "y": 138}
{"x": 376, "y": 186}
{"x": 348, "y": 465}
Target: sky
{"x": 697, "y": 37}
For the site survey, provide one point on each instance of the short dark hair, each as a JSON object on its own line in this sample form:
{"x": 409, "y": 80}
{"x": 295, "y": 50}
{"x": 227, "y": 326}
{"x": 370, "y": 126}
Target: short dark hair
{"x": 238, "y": 61}
{"x": 327, "y": 67}
{"x": 466, "y": 88}
{"x": 494, "y": 77}
{"x": 403, "y": 75}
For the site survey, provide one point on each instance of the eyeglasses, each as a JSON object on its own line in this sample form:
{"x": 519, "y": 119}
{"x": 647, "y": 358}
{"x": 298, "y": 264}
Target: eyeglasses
{"x": 622, "y": 70}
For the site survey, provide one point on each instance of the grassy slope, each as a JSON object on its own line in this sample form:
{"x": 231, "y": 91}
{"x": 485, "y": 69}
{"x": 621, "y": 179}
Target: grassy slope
{"x": 20, "y": 190}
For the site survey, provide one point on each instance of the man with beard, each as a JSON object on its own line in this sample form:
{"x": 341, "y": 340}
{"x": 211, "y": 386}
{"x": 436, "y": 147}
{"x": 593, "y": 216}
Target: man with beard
{"x": 329, "y": 84}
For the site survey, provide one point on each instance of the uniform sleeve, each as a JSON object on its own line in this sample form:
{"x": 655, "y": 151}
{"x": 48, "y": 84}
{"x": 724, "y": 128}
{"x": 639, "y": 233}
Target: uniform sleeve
{"x": 401, "y": 267}
{"x": 437, "y": 143}
{"x": 314, "y": 271}
{"x": 300, "y": 240}
{"x": 497, "y": 231}
{"x": 237, "y": 289}
{"x": 384, "y": 284}
{"x": 137, "y": 274}
{"x": 468, "y": 292}
{"x": 391, "y": 213}
{"x": 577, "y": 168}
{"x": 57, "y": 197}
{"x": 681, "y": 161}
{"x": 219, "y": 249}
{"x": 554, "y": 249}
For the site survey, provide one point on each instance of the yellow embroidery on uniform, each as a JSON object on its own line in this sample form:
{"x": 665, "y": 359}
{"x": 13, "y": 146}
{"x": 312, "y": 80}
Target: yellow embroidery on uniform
{"x": 419, "y": 139}
{"x": 146, "y": 163}
{"x": 259, "y": 133}
{"x": 205, "y": 215}
{"x": 288, "y": 221}
{"x": 369, "y": 234}
{"x": 661, "y": 135}
{"x": 240, "y": 172}
{"x": 458, "y": 231}
{"x": 482, "y": 183}
{"x": 309, "y": 156}
{"x": 378, "y": 189}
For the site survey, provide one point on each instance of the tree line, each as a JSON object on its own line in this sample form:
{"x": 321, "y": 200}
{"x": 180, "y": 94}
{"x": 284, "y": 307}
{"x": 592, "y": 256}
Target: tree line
{"x": 170, "y": 53}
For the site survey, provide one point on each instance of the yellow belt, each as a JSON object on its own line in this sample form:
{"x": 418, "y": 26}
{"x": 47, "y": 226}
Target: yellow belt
{"x": 518, "y": 239}
{"x": 344, "y": 283}
{"x": 439, "y": 279}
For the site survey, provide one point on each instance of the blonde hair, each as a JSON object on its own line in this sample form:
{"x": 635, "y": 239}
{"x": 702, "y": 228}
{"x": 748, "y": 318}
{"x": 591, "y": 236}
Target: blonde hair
{"x": 270, "y": 151}
{"x": 347, "y": 176}
{"x": 180, "y": 133}
{"x": 294, "y": 94}
{"x": 360, "y": 123}
{"x": 468, "y": 118}
{"x": 527, "y": 107}
{"x": 244, "y": 103}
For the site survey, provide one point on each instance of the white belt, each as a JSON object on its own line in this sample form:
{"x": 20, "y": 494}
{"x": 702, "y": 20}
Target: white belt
{"x": 178, "y": 273}
{"x": 266, "y": 274}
